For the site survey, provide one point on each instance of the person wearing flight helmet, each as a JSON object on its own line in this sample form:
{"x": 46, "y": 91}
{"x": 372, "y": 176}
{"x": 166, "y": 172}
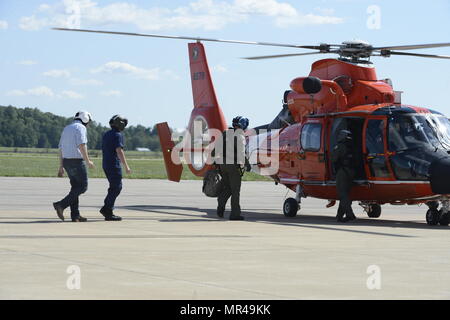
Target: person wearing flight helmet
{"x": 343, "y": 159}
{"x": 113, "y": 156}
{"x": 230, "y": 157}
{"x": 73, "y": 157}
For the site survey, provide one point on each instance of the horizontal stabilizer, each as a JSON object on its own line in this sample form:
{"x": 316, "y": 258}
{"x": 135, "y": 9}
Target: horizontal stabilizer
{"x": 167, "y": 145}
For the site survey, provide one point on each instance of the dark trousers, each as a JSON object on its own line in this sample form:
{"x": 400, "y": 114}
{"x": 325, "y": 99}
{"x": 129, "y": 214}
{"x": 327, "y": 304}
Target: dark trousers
{"x": 344, "y": 182}
{"x": 77, "y": 173}
{"x": 231, "y": 175}
{"x": 114, "y": 176}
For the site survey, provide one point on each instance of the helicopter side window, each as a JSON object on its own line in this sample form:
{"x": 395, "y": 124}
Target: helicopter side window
{"x": 375, "y": 149}
{"x": 310, "y": 137}
{"x": 374, "y": 137}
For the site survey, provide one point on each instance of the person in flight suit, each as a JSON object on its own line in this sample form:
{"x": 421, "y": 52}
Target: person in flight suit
{"x": 230, "y": 157}
{"x": 113, "y": 155}
{"x": 342, "y": 158}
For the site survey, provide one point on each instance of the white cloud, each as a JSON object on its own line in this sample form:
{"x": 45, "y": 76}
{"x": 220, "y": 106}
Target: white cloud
{"x": 33, "y": 24}
{"x": 111, "y": 93}
{"x": 44, "y": 7}
{"x": 37, "y": 92}
{"x": 16, "y": 93}
{"x": 43, "y": 91}
{"x": 219, "y": 68}
{"x": 71, "y": 94}
{"x": 325, "y": 11}
{"x": 265, "y": 7}
{"x": 85, "y": 82}
{"x": 3, "y": 25}
{"x": 199, "y": 14}
{"x": 126, "y": 68}
{"x": 171, "y": 74}
{"x": 308, "y": 19}
{"x": 27, "y": 62}
{"x": 57, "y": 73}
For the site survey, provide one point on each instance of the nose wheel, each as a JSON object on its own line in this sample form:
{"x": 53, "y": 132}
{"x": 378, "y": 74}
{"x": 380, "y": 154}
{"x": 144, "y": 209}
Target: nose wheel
{"x": 432, "y": 217}
{"x": 373, "y": 210}
{"x": 435, "y": 216}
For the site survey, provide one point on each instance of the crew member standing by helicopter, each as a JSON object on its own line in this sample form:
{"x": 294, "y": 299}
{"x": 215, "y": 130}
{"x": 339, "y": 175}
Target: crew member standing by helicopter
{"x": 343, "y": 159}
{"x": 113, "y": 155}
{"x": 230, "y": 157}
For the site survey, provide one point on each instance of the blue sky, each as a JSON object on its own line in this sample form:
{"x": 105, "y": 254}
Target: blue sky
{"x": 148, "y": 80}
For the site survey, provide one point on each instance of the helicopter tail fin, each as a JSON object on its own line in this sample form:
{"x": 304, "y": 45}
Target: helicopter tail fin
{"x": 206, "y": 113}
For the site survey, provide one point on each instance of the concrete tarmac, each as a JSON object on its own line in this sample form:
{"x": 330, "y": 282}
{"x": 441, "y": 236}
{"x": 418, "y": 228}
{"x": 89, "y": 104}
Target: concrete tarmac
{"x": 171, "y": 245}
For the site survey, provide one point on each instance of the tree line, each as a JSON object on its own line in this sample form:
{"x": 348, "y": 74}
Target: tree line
{"x": 32, "y": 128}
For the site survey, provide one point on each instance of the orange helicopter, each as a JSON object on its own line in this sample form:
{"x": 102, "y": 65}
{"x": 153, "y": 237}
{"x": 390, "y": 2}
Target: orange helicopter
{"x": 402, "y": 150}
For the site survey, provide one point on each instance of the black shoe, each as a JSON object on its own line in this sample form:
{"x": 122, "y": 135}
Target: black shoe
{"x": 237, "y": 218}
{"x": 108, "y": 214}
{"x": 79, "y": 219}
{"x": 59, "y": 210}
{"x": 113, "y": 218}
{"x": 220, "y": 212}
{"x": 346, "y": 218}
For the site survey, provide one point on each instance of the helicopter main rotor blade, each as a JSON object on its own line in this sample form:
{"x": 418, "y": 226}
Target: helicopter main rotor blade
{"x": 412, "y": 47}
{"x": 282, "y": 55}
{"x": 419, "y": 55}
{"x": 190, "y": 38}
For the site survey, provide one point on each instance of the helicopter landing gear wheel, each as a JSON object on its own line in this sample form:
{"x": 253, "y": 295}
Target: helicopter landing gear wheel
{"x": 432, "y": 217}
{"x": 374, "y": 211}
{"x": 290, "y": 207}
{"x": 444, "y": 218}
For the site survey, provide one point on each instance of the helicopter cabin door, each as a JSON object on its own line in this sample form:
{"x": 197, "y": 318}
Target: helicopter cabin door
{"x": 312, "y": 155}
{"x": 375, "y": 149}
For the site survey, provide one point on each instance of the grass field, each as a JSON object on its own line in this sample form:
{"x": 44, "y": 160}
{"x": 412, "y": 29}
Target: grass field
{"x": 31, "y": 162}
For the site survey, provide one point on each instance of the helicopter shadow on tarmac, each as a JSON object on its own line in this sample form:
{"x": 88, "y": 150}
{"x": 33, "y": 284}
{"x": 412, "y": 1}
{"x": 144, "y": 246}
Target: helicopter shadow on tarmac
{"x": 301, "y": 221}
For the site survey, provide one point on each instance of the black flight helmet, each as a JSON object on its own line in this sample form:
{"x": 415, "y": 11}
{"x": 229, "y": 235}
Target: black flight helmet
{"x": 344, "y": 135}
{"x": 240, "y": 122}
{"x": 118, "y": 122}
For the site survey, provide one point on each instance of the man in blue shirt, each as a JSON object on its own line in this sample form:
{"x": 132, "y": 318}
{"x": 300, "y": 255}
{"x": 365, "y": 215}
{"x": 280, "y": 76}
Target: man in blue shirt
{"x": 113, "y": 156}
{"x": 73, "y": 157}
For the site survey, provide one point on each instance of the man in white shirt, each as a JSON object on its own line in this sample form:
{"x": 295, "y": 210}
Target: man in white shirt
{"x": 73, "y": 158}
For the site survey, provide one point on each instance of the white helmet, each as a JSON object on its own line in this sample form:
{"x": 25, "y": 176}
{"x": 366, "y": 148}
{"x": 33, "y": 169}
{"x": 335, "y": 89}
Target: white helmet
{"x": 84, "y": 116}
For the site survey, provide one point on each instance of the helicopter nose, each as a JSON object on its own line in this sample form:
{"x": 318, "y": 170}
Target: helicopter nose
{"x": 439, "y": 174}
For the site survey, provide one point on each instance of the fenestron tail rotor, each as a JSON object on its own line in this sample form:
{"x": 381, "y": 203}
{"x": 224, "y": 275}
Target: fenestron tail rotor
{"x": 354, "y": 51}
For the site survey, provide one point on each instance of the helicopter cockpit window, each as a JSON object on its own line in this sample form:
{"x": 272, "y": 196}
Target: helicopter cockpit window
{"x": 441, "y": 126}
{"x": 411, "y": 132}
{"x": 416, "y": 140}
{"x": 311, "y": 136}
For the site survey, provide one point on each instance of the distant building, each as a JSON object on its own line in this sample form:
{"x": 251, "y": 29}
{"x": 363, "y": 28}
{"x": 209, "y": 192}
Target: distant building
{"x": 142, "y": 149}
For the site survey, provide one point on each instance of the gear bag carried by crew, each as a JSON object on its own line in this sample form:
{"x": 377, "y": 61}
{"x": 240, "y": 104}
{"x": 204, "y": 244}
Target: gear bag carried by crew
{"x": 212, "y": 183}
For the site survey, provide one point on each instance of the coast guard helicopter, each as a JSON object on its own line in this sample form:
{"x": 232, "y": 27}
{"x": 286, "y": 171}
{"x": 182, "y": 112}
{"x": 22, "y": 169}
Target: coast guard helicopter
{"x": 402, "y": 150}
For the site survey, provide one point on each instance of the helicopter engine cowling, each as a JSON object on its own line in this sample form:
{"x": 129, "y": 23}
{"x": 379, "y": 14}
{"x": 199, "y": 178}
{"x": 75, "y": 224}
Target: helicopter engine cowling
{"x": 308, "y": 85}
{"x": 312, "y": 95}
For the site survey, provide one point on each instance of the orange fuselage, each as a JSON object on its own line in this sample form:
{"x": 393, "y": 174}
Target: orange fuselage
{"x": 349, "y": 92}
